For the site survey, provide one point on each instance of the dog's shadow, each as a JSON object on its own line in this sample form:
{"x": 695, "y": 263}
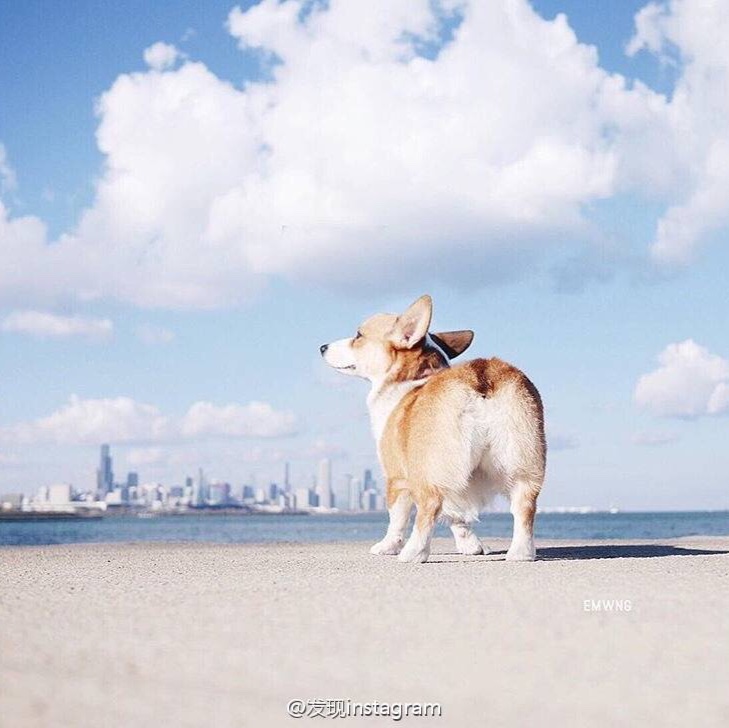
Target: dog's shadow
{"x": 620, "y": 551}
{"x": 598, "y": 551}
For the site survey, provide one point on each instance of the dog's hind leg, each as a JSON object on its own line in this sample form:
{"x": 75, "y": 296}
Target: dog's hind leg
{"x": 523, "y": 495}
{"x": 399, "y": 506}
{"x": 417, "y": 548}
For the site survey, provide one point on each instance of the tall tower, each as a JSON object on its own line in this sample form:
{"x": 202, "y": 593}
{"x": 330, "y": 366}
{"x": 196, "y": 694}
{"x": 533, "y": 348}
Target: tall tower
{"x": 355, "y": 494}
{"x": 324, "y": 483}
{"x": 287, "y": 476}
{"x": 104, "y": 474}
{"x": 198, "y": 491}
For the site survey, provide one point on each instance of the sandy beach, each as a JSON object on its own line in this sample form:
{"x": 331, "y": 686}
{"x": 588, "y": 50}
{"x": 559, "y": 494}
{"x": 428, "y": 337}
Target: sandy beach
{"x": 208, "y": 635}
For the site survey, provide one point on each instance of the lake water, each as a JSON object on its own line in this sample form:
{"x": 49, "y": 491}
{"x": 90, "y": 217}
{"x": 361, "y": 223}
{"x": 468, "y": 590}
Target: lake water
{"x": 351, "y": 527}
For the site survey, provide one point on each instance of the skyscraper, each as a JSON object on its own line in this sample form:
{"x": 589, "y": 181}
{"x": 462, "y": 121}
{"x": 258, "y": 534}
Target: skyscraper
{"x": 199, "y": 496}
{"x": 355, "y": 494}
{"x": 324, "y": 483}
{"x": 287, "y": 476}
{"x": 104, "y": 474}
{"x": 189, "y": 490}
{"x": 341, "y": 488}
{"x": 128, "y": 490}
{"x": 219, "y": 493}
{"x": 303, "y": 498}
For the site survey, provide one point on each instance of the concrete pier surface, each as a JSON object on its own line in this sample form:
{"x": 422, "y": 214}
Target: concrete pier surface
{"x": 594, "y": 633}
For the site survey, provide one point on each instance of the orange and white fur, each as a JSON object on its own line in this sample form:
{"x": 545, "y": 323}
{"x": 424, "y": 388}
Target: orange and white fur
{"x": 449, "y": 438}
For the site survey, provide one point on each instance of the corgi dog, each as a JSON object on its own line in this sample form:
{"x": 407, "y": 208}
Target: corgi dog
{"x": 449, "y": 438}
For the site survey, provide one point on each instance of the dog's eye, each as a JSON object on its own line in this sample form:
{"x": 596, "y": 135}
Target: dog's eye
{"x": 358, "y": 335}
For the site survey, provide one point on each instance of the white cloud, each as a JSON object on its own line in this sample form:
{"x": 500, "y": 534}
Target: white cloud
{"x": 257, "y": 419}
{"x": 147, "y": 456}
{"x": 648, "y": 32}
{"x": 690, "y": 382}
{"x": 124, "y": 420}
{"x": 693, "y": 36}
{"x": 161, "y": 56}
{"x": 150, "y": 334}
{"x": 49, "y": 325}
{"x": 361, "y": 159}
{"x": 92, "y": 421}
{"x": 8, "y": 180}
{"x": 30, "y": 269}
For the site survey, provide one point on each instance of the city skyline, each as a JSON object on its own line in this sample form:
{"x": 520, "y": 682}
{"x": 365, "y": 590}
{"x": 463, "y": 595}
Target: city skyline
{"x": 190, "y": 207}
{"x": 346, "y": 493}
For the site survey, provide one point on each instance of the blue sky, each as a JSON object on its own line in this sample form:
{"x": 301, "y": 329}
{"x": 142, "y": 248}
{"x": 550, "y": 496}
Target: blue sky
{"x": 270, "y": 178}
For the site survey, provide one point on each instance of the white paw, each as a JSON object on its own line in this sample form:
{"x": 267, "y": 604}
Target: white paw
{"x": 414, "y": 556}
{"x": 521, "y": 553}
{"x": 471, "y": 547}
{"x": 387, "y": 548}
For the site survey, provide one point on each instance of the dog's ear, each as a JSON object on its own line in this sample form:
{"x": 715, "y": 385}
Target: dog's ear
{"x": 412, "y": 326}
{"x": 453, "y": 343}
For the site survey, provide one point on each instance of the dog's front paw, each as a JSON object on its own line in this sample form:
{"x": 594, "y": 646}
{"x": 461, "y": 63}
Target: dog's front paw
{"x": 414, "y": 556}
{"x": 387, "y": 547}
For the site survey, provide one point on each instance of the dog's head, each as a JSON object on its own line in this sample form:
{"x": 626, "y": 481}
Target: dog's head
{"x": 398, "y": 348}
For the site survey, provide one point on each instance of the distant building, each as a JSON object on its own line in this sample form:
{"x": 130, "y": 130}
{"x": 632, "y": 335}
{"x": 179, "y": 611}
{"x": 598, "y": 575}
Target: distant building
{"x": 154, "y": 494}
{"x": 188, "y": 490}
{"x": 104, "y": 473}
{"x": 303, "y": 498}
{"x": 219, "y": 494}
{"x": 287, "y": 477}
{"x": 116, "y": 496}
{"x": 199, "y": 494}
{"x": 341, "y": 493}
{"x": 132, "y": 479}
{"x": 324, "y": 483}
{"x": 59, "y": 493}
{"x": 355, "y": 494}
{"x": 369, "y": 500}
{"x": 11, "y": 501}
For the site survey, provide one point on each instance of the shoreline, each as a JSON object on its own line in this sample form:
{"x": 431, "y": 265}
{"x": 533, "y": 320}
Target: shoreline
{"x": 115, "y": 512}
{"x": 445, "y": 545}
{"x": 596, "y": 633}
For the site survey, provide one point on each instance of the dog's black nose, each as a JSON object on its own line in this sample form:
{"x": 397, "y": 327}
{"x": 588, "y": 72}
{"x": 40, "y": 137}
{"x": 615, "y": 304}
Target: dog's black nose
{"x": 323, "y": 348}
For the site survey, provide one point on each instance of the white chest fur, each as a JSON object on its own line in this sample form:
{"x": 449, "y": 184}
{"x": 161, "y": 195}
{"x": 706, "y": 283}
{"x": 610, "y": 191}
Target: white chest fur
{"x": 382, "y": 400}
